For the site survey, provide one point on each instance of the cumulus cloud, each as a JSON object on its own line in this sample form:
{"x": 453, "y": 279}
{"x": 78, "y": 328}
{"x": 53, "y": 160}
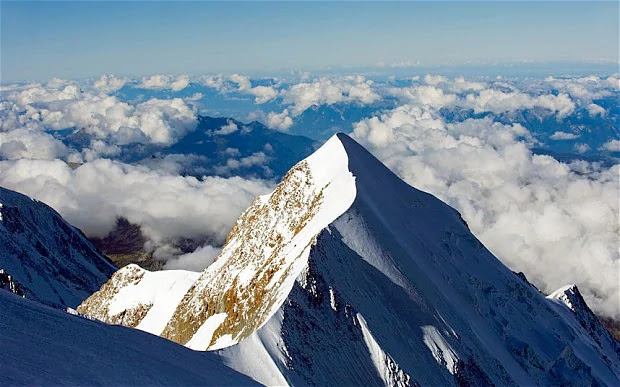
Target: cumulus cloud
{"x": 279, "y": 121}
{"x": 242, "y": 81}
{"x": 109, "y": 83}
{"x": 434, "y": 79}
{"x": 159, "y": 81}
{"x": 596, "y": 110}
{"x": 425, "y": 95}
{"x": 611, "y": 146}
{"x": 498, "y": 101}
{"x": 581, "y": 148}
{"x": 586, "y": 88}
{"x": 481, "y": 97}
{"x": 460, "y": 85}
{"x": 330, "y": 91}
{"x": 44, "y": 108}
{"x": 563, "y": 136}
{"x": 241, "y": 84}
{"x": 532, "y": 211}
{"x": 263, "y": 93}
{"x": 167, "y": 207}
{"x": 31, "y": 144}
{"x": 229, "y": 128}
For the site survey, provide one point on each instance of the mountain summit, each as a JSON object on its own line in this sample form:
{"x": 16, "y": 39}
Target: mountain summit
{"x": 346, "y": 274}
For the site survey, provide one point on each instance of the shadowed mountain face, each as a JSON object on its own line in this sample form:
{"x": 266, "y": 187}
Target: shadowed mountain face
{"x": 235, "y": 148}
{"x": 347, "y": 275}
{"x": 44, "y": 346}
{"x": 52, "y": 261}
{"x": 125, "y": 245}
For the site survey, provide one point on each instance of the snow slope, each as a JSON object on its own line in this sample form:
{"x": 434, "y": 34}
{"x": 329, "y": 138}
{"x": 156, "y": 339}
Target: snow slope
{"x": 45, "y": 346}
{"x": 51, "y": 260}
{"x": 139, "y": 298}
{"x": 347, "y": 275}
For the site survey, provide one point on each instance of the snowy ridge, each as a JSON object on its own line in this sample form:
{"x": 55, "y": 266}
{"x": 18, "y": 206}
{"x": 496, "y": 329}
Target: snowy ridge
{"x": 52, "y": 261}
{"x": 347, "y": 275}
{"x": 250, "y": 279}
{"x": 139, "y": 298}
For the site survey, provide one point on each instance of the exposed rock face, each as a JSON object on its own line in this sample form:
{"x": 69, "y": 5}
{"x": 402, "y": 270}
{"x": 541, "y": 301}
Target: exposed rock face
{"x": 132, "y": 292}
{"x": 347, "y": 275}
{"x": 263, "y": 254}
{"x": 586, "y": 322}
{"x": 52, "y": 261}
{"x": 8, "y": 283}
{"x": 130, "y": 317}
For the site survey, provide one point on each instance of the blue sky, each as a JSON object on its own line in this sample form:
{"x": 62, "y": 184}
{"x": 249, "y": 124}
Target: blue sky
{"x": 41, "y": 40}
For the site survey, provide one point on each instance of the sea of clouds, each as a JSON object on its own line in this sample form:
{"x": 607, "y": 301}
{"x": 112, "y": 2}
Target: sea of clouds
{"x": 555, "y": 221}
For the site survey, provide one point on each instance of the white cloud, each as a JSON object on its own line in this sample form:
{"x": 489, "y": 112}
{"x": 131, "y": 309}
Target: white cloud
{"x": 229, "y": 128}
{"x": 596, "y": 110}
{"x": 563, "y": 136}
{"x": 241, "y": 84}
{"x": 109, "y": 83}
{"x": 586, "y": 88}
{"x": 532, "y": 211}
{"x": 155, "y": 120}
{"x": 30, "y": 144}
{"x": 497, "y": 101}
{"x": 279, "y": 121}
{"x": 497, "y": 97}
{"x": 157, "y": 81}
{"x": 195, "y": 261}
{"x": 425, "y": 95}
{"x": 329, "y": 91}
{"x": 460, "y": 85}
{"x": 263, "y": 93}
{"x": 160, "y": 81}
{"x": 434, "y": 79}
{"x": 167, "y": 207}
{"x": 180, "y": 83}
{"x": 581, "y": 148}
{"x": 611, "y": 145}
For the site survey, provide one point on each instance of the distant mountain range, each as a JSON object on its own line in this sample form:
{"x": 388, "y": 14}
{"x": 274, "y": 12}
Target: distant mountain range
{"x": 218, "y": 146}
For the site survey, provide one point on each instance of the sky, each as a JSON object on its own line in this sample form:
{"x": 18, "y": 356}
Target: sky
{"x": 40, "y": 40}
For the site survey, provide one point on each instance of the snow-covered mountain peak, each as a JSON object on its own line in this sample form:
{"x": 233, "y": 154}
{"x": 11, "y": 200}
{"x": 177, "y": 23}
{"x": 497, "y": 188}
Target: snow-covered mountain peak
{"x": 265, "y": 251}
{"x": 345, "y": 274}
{"x": 570, "y": 296}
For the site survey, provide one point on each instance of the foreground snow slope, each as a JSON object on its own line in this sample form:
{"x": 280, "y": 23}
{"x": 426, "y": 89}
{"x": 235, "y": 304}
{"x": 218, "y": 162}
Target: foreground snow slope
{"x": 347, "y": 275}
{"x": 51, "y": 260}
{"x": 45, "y": 346}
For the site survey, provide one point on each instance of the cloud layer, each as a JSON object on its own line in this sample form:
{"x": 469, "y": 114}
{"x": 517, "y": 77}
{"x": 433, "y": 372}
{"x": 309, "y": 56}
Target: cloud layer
{"x": 167, "y": 207}
{"x": 557, "y": 222}
{"x": 57, "y": 107}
